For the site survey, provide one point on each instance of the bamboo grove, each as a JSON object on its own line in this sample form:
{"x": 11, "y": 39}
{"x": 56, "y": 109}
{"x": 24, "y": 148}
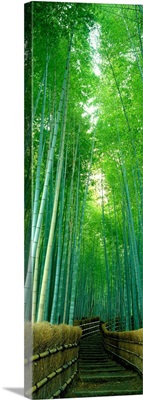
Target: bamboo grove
{"x": 83, "y": 162}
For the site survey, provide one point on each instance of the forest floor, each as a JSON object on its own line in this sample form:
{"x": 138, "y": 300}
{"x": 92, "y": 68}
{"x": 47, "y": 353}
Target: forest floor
{"x": 99, "y": 375}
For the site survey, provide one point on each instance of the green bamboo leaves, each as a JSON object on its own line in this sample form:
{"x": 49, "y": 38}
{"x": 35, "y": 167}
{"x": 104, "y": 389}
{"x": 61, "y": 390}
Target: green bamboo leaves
{"x": 84, "y": 194}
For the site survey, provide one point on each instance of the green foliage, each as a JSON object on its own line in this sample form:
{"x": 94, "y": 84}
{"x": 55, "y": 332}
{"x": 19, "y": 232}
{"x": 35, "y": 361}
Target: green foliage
{"x": 98, "y": 230}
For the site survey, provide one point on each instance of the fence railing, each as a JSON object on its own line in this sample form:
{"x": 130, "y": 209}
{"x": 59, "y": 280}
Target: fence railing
{"x": 126, "y": 346}
{"x": 90, "y": 328}
{"x": 121, "y": 324}
{"x": 116, "y": 325}
{"x": 52, "y": 370}
{"x": 47, "y": 384}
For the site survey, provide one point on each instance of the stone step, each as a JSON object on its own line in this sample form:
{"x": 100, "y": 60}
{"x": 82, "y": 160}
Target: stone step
{"x": 97, "y": 348}
{"x": 92, "y": 351}
{"x": 93, "y": 360}
{"x": 106, "y": 376}
{"x": 93, "y": 365}
{"x": 109, "y": 392}
{"x": 93, "y": 356}
{"x": 99, "y": 369}
{"x": 102, "y": 361}
{"x": 93, "y": 344}
{"x": 88, "y": 343}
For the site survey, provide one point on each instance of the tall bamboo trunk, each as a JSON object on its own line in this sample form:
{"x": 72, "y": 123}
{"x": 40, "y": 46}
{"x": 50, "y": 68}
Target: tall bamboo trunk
{"x": 33, "y": 247}
{"x": 53, "y": 221}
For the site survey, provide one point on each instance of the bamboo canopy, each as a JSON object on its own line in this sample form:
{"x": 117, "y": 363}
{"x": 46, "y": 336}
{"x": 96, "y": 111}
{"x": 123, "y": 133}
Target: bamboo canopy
{"x": 83, "y": 163}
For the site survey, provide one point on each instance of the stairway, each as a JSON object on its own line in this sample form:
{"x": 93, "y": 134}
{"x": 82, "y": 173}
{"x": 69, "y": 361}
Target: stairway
{"x": 99, "y": 375}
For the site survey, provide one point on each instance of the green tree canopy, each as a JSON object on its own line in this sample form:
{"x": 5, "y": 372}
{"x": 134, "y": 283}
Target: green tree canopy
{"x": 83, "y": 168}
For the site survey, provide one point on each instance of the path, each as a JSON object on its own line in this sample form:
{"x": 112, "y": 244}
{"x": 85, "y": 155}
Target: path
{"x": 99, "y": 375}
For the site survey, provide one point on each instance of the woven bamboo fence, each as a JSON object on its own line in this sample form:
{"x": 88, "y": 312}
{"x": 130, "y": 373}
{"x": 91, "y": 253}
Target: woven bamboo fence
{"x": 79, "y": 322}
{"x": 89, "y": 326}
{"x": 126, "y": 346}
{"x": 51, "y": 361}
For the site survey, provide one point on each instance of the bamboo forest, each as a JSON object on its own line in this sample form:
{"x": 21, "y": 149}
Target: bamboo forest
{"x": 83, "y": 162}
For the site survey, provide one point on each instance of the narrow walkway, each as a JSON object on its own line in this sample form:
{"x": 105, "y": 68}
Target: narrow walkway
{"x": 99, "y": 375}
